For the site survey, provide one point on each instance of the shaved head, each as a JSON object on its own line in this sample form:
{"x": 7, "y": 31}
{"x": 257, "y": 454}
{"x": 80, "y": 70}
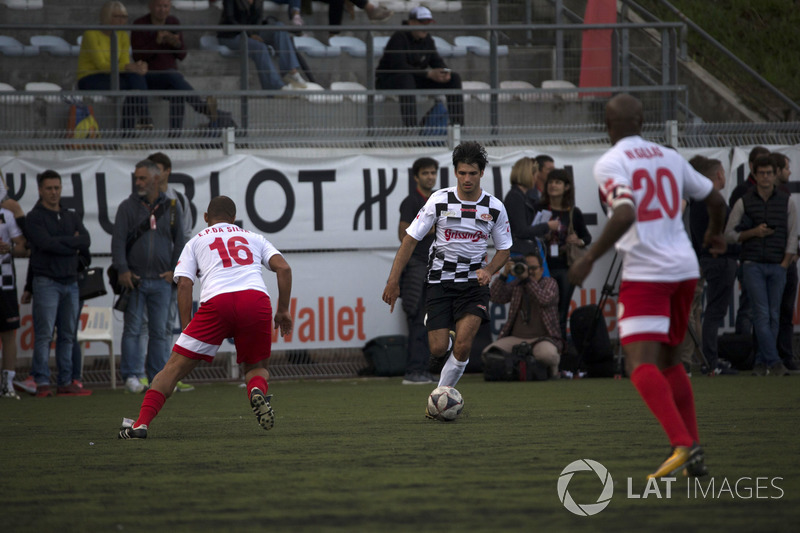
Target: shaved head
{"x": 221, "y": 209}
{"x": 624, "y": 117}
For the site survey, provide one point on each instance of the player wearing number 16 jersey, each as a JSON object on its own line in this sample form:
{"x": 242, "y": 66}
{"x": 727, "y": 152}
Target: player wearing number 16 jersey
{"x": 234, "y": 302}
{"x": 643, "y": 184}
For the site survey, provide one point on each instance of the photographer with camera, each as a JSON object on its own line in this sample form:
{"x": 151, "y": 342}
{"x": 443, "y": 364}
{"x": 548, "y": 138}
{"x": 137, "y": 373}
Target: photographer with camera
{"x": 533, "y": 314}
{"x": 147, "y": 241}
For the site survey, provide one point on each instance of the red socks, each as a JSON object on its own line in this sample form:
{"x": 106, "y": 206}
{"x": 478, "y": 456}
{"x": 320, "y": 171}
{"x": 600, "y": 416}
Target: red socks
{"x": 656, "y": 392}
{"x": 683, "y": 396}
{"x": 151, "y": 405}
{"x": 257, "y": 382}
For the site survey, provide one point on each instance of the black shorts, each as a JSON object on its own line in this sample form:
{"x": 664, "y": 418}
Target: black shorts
{"x": 9, "y": 310}
{"x": 448, "y": 301}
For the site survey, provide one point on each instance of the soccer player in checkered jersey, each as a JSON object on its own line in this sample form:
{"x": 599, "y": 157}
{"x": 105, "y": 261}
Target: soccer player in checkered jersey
{"x": 465, "y": 216}
{"x": 234, "y": 302}
{"x": 643, "y": 184}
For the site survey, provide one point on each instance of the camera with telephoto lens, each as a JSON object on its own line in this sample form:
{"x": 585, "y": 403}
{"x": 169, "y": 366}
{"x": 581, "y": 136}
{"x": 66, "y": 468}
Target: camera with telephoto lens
{"x": 125, "y": 296}
{"x": 519, "y": 268}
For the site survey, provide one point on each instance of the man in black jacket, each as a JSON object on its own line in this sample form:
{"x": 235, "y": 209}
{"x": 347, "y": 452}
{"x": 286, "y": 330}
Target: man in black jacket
{"x": 56, "y": 237}
{"x": 410, "y": 61}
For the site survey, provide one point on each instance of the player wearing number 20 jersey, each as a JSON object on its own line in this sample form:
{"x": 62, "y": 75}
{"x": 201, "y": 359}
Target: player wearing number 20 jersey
{"x": 653, "y": 179}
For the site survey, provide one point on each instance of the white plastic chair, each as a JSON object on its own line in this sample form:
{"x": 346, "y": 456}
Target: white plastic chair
{"x": 561, "y": 84}
{"x": 190, "y": 5}
{"x": 314, "y": 48}
{"x": 7, "y": 97}
{"x": 479, "y": 46}
{"x": 55, "y": 45}
{"x": 353, "y": 46}
{"x": 446, "y": 49}
{"x": 100, "y": 328}
{"x": 23, "y": 4}
{"x": 210, "y": 42}
{"x": 477, "y": 85}
{"x": 12, "y": 47}
{"x": 354, "y": 86}
{"x": 44, "y": 86}
{"x": 530, "y": 96}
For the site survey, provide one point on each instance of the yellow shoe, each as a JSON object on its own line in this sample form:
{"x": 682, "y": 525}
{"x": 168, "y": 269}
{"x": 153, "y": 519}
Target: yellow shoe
{"x": 680, "y": 458}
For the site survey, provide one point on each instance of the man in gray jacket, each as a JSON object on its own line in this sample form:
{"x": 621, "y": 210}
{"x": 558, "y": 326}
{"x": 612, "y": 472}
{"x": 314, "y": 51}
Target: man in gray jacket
{"x": 147, "y": 241}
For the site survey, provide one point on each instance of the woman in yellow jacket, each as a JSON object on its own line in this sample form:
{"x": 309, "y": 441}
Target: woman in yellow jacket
{"x": 94, "y": 66}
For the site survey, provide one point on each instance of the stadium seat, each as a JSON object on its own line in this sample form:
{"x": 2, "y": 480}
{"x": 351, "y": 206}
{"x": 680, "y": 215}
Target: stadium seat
{"x": 23, "y": 4}
{"x": 210, "y": 42}
{"x": 315, "y": 93}
{"x": 354, "y": 86}
{"x": 353, "y": 46}
{"x": 55, "y": 45}
{"x": 190, "y": 5}
{"x": 99, "y": 328}
{"x": 13, "y": 48}
{"x": 12, "y": 99}
{"x": 44, "y": 86}
{"x": 476, "y": 85}
{"x": 314, "y": 48}
{"x": 561, "y": 84}
{"x": 531, "y": 96}
{"x": 479, "y": 46}
{"x": 446, "y": 49}
{"x": 378, "y": 44}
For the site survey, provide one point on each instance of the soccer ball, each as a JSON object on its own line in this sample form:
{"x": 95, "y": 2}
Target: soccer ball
{"x": 445, "y": 403}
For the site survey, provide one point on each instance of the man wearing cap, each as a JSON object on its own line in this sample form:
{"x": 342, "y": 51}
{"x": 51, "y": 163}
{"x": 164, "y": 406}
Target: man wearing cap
{"x": 410, "y": 61}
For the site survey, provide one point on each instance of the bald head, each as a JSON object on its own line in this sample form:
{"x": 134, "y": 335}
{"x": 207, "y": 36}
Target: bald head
{"x": 220, "y": 209}
{"x": 624, "y": 117}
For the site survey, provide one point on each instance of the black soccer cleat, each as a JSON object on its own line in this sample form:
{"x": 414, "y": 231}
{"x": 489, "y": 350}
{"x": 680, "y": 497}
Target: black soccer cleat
{"x": 262, "y": 409}
{"x": 133, "y": 433}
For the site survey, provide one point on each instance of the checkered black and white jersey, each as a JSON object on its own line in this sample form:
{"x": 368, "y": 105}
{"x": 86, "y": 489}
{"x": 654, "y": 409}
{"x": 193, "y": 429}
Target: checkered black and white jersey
{"x": 8, "y": 230}
{"x": 462, "y": 233}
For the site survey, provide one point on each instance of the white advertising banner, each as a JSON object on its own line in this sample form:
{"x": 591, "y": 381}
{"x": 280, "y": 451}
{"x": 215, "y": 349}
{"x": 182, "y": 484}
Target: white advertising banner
{"x": 335, "y": 219}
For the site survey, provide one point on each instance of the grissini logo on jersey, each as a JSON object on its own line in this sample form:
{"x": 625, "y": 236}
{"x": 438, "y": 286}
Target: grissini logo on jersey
{"x": 464, "y": 235}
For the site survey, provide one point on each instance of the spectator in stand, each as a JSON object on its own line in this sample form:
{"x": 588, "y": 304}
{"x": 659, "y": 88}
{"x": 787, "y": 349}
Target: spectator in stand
{"x": 558, "y": 199}
{"x": 250, "y": 13}
{"x": 718, "y": 271}
{"x": 544, "y": 164}
{"x": 161, "y": 50}
{"x": 12, "y": 244}
{"x": 744, "y": 319}
{"x": 785, "y": 321}
{"x": 410, "y": 62}
{"x": 94, "y": 66}
{"x": 533, "y": 314}
{"x": 764, "y": 221}
{"x": 337, "y": 8}
{"x": 412, "y": 281}
{"x": 522, "y": 210}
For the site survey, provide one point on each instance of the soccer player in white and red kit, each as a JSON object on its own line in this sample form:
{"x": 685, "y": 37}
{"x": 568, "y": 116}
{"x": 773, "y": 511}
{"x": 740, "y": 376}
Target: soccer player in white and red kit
{"x": 643, "y": 183}
{"x": 234, "y": 302}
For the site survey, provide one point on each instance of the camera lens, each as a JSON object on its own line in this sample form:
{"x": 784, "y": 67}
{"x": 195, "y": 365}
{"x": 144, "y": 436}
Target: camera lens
{"x": 519, "y": 269}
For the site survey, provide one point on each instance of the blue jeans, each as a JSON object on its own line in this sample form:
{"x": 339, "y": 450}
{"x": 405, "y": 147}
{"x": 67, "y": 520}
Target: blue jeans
{"x": 154, "y": 296}
{"x": 55, "y": 305}
{"x": 133, "y": 106}
{"x": 719, "y": 273}
{"x": 764, "y": 283}
{"x": 294, "y": 5}
{"x": 565, "y": 290}
{"x": 281, "y": 42}
{"x": 786, "y": 325}
{"x": 172, "y": 80}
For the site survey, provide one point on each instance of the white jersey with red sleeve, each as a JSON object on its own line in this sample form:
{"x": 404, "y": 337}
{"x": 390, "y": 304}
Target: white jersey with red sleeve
{"x": 225, "y": 258}
{"x": 653, "y": 179}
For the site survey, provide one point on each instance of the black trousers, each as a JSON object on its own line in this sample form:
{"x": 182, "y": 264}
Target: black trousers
{"x": 402, "y": 81}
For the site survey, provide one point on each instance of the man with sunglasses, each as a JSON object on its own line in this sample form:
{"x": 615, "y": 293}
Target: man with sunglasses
{"x": 533, "y": 313}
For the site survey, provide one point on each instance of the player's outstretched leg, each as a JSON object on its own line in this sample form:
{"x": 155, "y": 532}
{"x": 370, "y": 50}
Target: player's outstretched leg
{"x": 435, "y": 364}
{"x": 262, "y": 409}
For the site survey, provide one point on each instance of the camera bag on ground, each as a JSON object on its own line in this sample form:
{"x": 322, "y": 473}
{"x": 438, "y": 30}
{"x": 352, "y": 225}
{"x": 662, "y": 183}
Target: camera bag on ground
{"x": 590, "y": 336}
{"x": 516, "y": 365}
{"x": 386, "y": 355}
{"x": 737, "y": 349}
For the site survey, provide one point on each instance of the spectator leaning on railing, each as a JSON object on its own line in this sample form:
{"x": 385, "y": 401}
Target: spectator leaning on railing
{"x": 94, "y": 66}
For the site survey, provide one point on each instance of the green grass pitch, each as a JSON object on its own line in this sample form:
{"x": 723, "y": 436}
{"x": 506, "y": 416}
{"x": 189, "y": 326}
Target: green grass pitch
{"x": 358, "y": 455}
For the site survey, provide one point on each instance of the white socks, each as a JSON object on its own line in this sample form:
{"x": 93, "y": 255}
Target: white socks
{"x": 452, "y": 371}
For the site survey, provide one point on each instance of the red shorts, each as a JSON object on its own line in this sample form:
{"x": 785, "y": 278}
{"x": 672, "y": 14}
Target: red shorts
{"x": 246, "y": 316}
{"x": 654, "y": 311}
